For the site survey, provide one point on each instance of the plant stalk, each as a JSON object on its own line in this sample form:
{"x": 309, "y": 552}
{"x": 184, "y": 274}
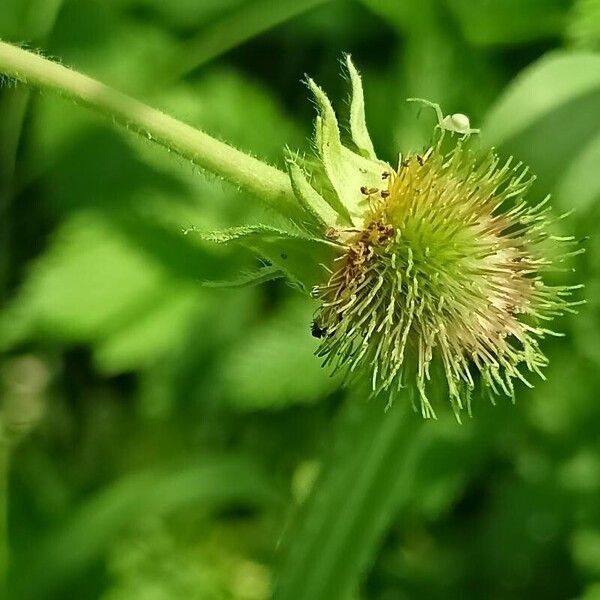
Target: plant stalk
{"x": 40, "y": 18}
{"x": 264, "y": 181}
{"x": 4, "y": 547}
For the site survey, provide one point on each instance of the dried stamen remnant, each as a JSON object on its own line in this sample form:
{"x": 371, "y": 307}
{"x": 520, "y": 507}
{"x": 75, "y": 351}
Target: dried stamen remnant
{"x": 445, "y": 271}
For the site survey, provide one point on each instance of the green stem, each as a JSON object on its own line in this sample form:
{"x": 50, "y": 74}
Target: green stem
{"x": 13, "y": 108}
{"x": 4, "y": 465}
{"x": 266, "y": 182}
{"x": 352, "y": 504}
{"x": 40, "y": 18}
{"x": 380, "y": 469}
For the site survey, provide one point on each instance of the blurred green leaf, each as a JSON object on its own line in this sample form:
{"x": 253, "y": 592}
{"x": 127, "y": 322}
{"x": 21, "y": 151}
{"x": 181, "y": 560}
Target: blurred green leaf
{"x": 151, "y": 335}
{"x": 586, "y": 550}
{"x": 273, "y": 364}
{"x": 350, "y": 507}
{"x": 437, "y": 64}
{"x": 579, "y": 186}
{"x": 94, "y": 281}
{"x": 155, "y": 563}
{"x": 509, "y": 21}
{"x": 12, "y": 17}
{"x": 83, "y": 539}
{"x": 384, "y": 463}
{"x": 250, "y": 19}
{"x": 548, "y": 114}
{"x": 27, "y": 21}
{"x": 583, "y": 29}
{"x": 398, "y": 14}
{"x": 117, "y": 49}
{"x": 592, "y": 592}
{"x": 181, "y": 13}
{"x": 550, "y": 84}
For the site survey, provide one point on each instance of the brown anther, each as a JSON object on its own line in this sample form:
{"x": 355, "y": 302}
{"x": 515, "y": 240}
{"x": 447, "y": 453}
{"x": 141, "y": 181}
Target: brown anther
{"x": 331, "y": 233}
{"x": 388, "y": 233}
{"x": 420, "y": 160}
{"x": 384, "y": 193}
{"x": 364, "y": 190}
{"x": 385, "y": 175}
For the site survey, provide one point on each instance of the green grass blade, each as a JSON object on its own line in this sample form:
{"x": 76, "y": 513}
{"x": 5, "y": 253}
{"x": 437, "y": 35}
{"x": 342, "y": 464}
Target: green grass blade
{"x": 387, "y": 466}
{"x": 351, "y": 506}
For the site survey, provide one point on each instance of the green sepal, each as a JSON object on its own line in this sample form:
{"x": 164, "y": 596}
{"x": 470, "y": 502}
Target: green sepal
{"x": 358, "y": 122}
{"x": 323, "y": 213}
{"x": 248, "y": 279}
{"x": 300, "y": 257}
{"x": 347, "y": 171}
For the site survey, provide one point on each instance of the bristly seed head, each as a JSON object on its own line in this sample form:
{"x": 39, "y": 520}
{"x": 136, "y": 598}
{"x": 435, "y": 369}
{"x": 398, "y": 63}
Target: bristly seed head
{"x": 445, "y": 271}
{"x": 440, "y": 267}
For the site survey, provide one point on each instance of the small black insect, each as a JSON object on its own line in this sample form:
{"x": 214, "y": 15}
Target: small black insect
{"x": 317, "y": 330}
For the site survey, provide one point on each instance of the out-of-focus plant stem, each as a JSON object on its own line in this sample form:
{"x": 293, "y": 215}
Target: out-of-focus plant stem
{"x": 38, "y": 23}
{"x": 4, "y": 466}
{"x": 352, "y": 503}
{"x": 264, "y": 181}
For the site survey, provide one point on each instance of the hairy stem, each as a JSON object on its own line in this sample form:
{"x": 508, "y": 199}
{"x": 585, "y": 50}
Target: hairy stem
{"x": 266, "y": 182}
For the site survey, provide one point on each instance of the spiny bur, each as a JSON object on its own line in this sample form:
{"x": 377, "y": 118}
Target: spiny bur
{"x": 440, "y": 266}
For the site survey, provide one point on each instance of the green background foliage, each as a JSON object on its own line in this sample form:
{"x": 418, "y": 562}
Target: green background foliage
{"x": 165, "y": 440}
